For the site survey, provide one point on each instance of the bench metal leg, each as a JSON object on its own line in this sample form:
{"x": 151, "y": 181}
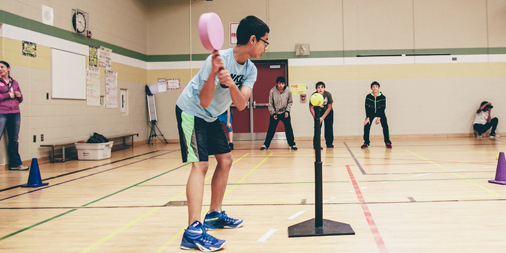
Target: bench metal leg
{"x": 51, "y": 158}
{"x": 63, "y": 153}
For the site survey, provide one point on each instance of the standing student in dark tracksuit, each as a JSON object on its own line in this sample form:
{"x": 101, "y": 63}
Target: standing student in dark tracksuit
{"x": 375, "y": 105}
{"x": 280, "y": 103}
{"x": 326, "y": 114}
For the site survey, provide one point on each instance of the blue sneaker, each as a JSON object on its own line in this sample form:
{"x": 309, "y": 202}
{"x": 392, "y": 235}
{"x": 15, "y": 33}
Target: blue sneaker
{"x": 216, "y": 219}
{"x": 195, "y": 237}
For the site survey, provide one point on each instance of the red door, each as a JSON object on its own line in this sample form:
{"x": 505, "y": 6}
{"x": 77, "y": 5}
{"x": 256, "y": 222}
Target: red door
{"x": 268, "y": 71}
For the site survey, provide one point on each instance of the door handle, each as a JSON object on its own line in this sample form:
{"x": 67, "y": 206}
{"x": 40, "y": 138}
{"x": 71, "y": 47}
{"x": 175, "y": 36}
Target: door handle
{"x": 260, "y": 104}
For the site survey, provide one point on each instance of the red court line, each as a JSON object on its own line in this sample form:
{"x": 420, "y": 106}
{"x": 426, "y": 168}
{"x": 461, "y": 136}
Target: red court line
{"x": 372, "y": 225}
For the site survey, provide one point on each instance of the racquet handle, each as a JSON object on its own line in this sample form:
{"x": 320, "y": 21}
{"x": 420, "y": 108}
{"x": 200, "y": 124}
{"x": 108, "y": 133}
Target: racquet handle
{"x": 221, "y": 68}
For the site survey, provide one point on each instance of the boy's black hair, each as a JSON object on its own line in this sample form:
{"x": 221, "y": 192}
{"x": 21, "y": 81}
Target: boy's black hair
{"x": 248, "y": 26}
{"x": 280, "y": 79}
{"x": 375, "y": 83}
{"x": 318, "y": 84}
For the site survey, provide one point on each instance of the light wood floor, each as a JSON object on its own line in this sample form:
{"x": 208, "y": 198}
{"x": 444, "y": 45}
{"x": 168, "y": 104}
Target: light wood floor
{"x": 424, "y": 195}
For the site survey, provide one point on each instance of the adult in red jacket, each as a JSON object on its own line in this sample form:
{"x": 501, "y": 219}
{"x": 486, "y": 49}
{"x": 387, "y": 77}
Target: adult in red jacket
{"x": 10, "y": 116}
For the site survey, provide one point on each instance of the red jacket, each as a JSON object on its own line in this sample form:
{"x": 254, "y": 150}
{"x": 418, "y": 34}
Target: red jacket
{"x": 8, "y": 104}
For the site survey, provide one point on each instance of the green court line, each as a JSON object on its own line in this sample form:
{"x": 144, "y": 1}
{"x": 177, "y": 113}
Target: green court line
{"x": 36, "y": 224}
{"x": 173, "y": 238}
{"x": 65, "y": 213}
{"x": 147, "y": 214}
{"x": 457, "y": 174}
{"x": 134, "y": 185}
{"x": 119, "y": 230}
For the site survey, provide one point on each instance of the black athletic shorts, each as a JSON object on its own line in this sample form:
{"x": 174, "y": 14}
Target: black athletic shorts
{"x": 199, "y": 139}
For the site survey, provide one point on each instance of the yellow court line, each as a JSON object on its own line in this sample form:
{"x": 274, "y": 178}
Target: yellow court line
{"x": 180, "y": 232}
{"x": 144, "y": 216}
{"x": 457, "y": 174}
{"x": 249, "y": 173}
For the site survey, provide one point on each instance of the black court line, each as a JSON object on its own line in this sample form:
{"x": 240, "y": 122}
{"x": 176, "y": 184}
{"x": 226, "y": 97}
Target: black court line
{"x": 302, "y": 203}
{"x": 356, "y": 161}
{"x": 77, "y": 171}
{"x": 39, "y": 189}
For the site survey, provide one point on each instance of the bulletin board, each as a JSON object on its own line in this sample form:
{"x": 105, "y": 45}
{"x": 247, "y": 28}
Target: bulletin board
{"x": 68, "y": 75}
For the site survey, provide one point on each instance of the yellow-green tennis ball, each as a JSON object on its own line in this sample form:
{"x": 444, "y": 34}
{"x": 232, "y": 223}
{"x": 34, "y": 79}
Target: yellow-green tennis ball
{"x": 497, "y": 157}
{"x": 317, "y": 99}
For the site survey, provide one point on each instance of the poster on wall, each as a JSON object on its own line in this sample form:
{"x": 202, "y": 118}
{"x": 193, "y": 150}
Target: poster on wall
{"x": 111, "y": 89}
{"x": 104, "y": 58}
{"x": 162, "y": 85}
{"x": 233, "y": 33}
{"x": 93, "y": 86}
{"x": 298, "y": 88}
{"x": 29, "y": 49}
{"x": 173, "y": 83}
{"x": 93, "y": 56}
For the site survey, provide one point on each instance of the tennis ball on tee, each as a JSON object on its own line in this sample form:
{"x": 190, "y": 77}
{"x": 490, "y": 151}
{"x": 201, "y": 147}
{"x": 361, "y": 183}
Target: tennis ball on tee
{"x": 316, "y": 99}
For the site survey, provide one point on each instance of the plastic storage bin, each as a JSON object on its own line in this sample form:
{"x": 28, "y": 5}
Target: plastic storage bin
{"x": 94, "y": 151}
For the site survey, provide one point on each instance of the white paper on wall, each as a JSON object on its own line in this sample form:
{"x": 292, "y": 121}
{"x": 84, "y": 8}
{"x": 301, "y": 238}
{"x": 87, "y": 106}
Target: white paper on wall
{"x": 111, "y": 89}
{"x": 93, "y": 86}
{"x": 104, "y": 56}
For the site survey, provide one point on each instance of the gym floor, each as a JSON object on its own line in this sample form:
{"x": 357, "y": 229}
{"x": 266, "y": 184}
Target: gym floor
{"x": 424, "y": 195}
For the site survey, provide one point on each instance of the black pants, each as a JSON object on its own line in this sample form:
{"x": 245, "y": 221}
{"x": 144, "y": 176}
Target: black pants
{"x": 273, "y": 123}
{"x": 384, "y": 124}
{"x": 483, "y": 128}
{"x": 329, "y": 129}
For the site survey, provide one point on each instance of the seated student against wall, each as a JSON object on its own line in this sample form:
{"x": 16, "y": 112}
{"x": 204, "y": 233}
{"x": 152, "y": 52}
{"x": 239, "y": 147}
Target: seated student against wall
{"x": 484, "y": 121}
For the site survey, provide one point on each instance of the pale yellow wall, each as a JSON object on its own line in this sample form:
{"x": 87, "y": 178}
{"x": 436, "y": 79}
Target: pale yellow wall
{"x": 450, "y": 24}
{"x": 119, "y": 22}
{"x": 496, "y": 23}
{"x": 318, "y": 23}
{"x": 168, "y": 27}
{"x": 378, "y": 24}
{"x": 332, "y": 25}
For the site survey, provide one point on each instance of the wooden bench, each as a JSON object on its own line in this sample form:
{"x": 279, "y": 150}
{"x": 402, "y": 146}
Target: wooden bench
{"x": 52, "y": 158}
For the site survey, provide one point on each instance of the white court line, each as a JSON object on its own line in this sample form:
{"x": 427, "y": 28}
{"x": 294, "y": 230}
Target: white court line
{"x": 423, "y": 175}
{"x": 267, "y": 235}
{"x": 296, "y": 215}
{"x": 459, "y": 170}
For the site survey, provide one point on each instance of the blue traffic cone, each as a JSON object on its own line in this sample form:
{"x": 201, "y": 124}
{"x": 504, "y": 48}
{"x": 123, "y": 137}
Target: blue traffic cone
{"x": 34, "y": 179}
{"x": 500, "y": 175}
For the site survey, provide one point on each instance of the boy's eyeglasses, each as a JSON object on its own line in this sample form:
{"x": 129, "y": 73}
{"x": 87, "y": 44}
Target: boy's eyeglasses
{"x": 266, "y": 43}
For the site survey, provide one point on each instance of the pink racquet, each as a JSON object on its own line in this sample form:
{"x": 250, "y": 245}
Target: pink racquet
{"x": 211, "y": 31}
